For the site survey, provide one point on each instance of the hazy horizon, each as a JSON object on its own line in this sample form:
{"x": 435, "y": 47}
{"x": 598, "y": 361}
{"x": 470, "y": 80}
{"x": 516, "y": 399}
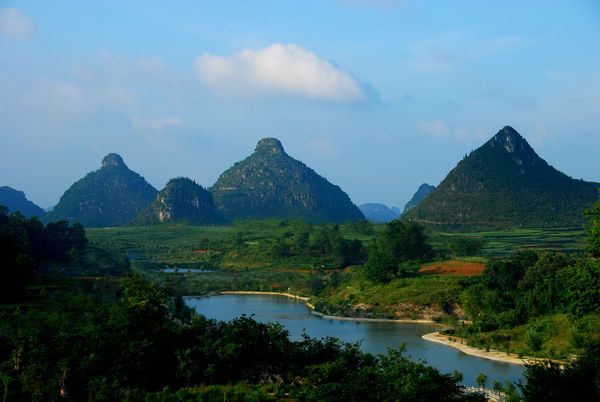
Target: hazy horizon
{"x": 376, "y": 96}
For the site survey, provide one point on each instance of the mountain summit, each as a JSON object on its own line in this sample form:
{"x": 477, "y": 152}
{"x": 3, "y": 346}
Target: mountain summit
{"x": 113, "y": 160}
{"x": 182, "y": 200}
{"x": 270, "y": 146}
{"x": 109, "y": 196}
{"x": 271, "y": 184}
{"x": 504, "y": 183}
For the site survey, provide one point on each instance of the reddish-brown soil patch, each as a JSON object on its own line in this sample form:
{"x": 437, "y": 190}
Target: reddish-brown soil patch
{"x": 453, "y": 267}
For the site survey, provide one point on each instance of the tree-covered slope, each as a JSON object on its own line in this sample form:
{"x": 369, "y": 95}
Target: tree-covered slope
{"x": 504, "y": 183}
{"x": 109, "y": 196}
{"x": 15, "y": 200}
{"x": 423, "y": 191}
{"x": 182, "y": 200}
{"x": 271, "y": 184}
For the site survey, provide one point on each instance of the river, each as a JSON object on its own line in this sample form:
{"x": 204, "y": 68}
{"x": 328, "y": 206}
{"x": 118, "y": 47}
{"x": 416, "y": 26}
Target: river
{"x": 375, "y": 337}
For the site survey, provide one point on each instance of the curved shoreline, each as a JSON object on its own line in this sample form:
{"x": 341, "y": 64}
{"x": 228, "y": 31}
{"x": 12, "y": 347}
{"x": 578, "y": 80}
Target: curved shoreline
{"x": 327, "y": 316}
{"x": 470, "y": 350}
{"x": 255, "y": 292}
{"x": 436, "y": 337}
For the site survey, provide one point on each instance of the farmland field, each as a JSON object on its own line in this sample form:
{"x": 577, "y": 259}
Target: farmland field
{"x": 453, "y": 267}
{"x": 502, "y": 243}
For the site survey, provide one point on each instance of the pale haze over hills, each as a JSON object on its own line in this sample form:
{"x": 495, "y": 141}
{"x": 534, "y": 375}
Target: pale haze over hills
{"x": 376, "y": 96}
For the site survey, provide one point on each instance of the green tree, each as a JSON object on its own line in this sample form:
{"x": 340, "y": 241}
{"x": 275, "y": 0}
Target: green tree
{"x": 578, "y": 380}
{"x": 541, "y": 288}
{"x": 582, "y": 287}
{"x": 466, "y": 246}
{"x": 398, "y": 243}
{"x": 593, "y": 230}
{"x": 302, "y": 243}
{"x": 381, "y": 266}
{"x": 481, "y": 380}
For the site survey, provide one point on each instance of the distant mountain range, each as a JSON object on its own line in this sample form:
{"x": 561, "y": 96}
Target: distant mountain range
{"x": 422, "y": 192}
{"x": 182, "y": 200}
{"x": 379, "y": 213}
{"x": 271, "y": 184}
{"x": 112, "y": 195}
{"x": 504, "y": 183}
{"x": 15, "y": 200}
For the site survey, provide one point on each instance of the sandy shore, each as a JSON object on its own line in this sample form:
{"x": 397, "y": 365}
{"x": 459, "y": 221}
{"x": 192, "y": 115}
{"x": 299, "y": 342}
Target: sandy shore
{"x": 463, "y": 347}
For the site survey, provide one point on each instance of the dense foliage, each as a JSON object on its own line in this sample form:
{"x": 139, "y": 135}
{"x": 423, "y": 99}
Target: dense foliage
{"x": 15, "y": 200}
{"x": 593, "y": 230}
{"x": 527, "y": 286}
{"x": 504, "y": 183}
{"x": 82, "y": 347}
{"x": 181, "y": 201}
{"x": 400, "y": 243}
{"x": 578, "y": 380}
{"x": 271, "y": 184}
{"x": 109, "y": 196}
{"x": 27, "y": 246}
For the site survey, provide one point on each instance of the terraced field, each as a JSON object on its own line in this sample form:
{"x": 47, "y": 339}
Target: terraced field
{"x": 502, "y": 243}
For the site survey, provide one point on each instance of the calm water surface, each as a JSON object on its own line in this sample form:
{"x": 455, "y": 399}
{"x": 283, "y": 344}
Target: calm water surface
{"x": 375, "y": 337}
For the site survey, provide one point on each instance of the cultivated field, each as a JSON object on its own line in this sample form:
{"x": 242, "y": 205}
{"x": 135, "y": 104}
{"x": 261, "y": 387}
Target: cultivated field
{"x": 453, "y": 268}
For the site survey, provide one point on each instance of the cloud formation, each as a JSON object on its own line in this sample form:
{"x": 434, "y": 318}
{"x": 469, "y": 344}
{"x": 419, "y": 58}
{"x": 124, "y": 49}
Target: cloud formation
{"x": 15, "y": 24}
{"x": 278, "y": 70}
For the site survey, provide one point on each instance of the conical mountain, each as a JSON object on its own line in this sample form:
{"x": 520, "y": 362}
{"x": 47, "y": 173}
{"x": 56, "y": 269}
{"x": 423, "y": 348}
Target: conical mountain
{"x": 109, "y": 196}
{"x": 182, "y": 200}
{"x": 422, "y": 192}
{"x": 504, "y": 183}
{"x": 15, "y": 200}
{"x": 271, "y": 184}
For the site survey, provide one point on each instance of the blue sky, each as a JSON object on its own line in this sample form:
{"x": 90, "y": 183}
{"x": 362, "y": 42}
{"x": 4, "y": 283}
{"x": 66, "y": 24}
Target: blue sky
{"x": 377, "y": 96}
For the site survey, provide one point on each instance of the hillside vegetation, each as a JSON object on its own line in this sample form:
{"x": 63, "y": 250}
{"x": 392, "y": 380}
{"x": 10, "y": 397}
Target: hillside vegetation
{"x": 505, "y": 184}
{"x": 109, "y": 196}
{"x": 271, "y": 184}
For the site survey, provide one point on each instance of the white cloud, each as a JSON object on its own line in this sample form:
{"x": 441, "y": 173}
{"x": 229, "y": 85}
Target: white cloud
{"x": 278, "y": 69}
{"x": 15, "y": 24}
{"x": 156, "y": 124}
{"x": 435, "y": 128}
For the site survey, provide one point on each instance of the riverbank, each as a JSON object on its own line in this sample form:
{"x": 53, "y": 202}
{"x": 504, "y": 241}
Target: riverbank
{"x": 332, "y": 317}
{"x": 252, "y": 292}
{"x": 460, "y": 344}
{"x": 399, "y": 321}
